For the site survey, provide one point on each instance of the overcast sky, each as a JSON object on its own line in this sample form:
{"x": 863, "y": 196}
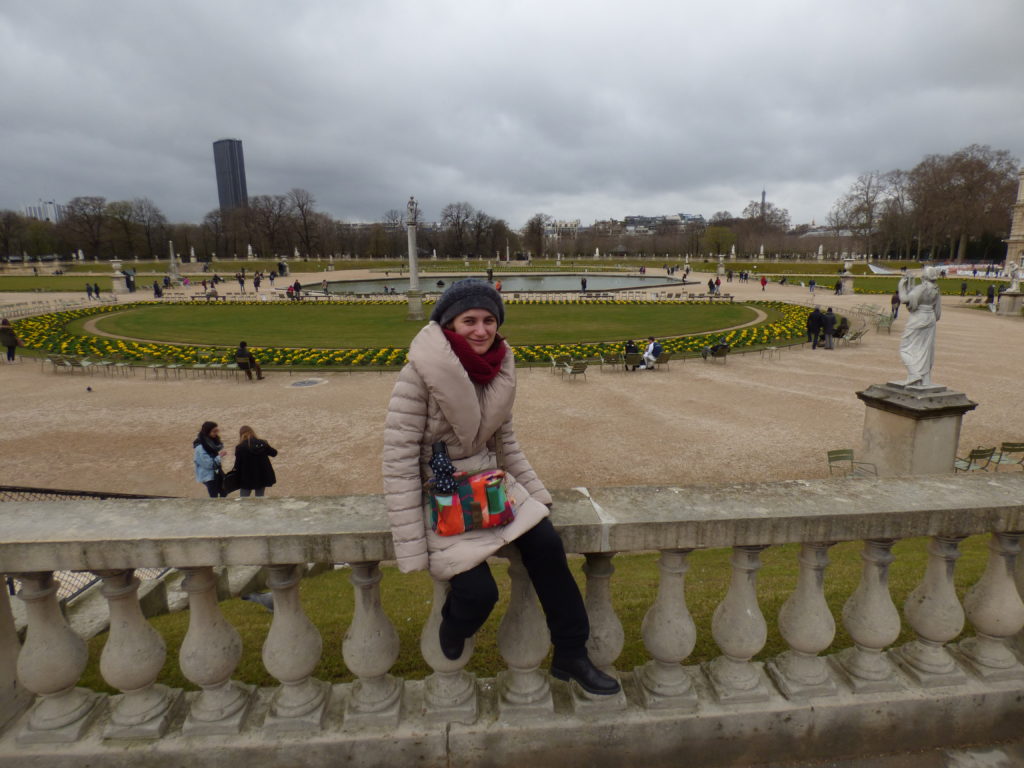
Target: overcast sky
{"x": 584, "y": 110}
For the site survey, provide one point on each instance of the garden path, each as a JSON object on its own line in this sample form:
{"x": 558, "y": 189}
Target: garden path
{"x": 750, "y": 419}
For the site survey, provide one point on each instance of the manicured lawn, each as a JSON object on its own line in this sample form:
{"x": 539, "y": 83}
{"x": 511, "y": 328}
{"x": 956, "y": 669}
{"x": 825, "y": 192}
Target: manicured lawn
{"x": 327, "y": 600}
{"x": 353, "y": 325}
{"x": 73, "y": 283}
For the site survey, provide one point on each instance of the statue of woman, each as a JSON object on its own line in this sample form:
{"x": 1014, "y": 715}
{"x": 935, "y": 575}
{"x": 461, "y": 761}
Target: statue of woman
{"x": 917, "y": 348}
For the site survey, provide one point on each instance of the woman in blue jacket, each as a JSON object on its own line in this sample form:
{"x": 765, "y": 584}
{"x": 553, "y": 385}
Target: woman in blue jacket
{"x": 207, "y": 453}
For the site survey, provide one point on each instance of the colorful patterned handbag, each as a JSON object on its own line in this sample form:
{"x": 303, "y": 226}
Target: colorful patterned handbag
{"x": 460, "y": 501}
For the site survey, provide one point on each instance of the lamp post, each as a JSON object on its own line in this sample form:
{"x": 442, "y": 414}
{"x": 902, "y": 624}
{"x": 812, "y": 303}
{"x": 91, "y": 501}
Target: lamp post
{"x": 413, "y": 296}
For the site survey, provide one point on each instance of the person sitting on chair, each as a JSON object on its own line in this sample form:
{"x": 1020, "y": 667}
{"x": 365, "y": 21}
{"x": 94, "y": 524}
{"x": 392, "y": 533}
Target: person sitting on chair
{"x": 718, "y": 346}
{"x": 632, "y": 349}
{"x": 651, "y": 354}
{"x": 247, "y": 362}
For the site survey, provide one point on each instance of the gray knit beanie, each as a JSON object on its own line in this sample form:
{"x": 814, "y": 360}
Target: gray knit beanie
{"x": 465, "y": 295}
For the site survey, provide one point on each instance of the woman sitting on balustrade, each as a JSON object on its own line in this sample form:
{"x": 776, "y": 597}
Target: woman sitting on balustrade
{"x": 454, "y": 398}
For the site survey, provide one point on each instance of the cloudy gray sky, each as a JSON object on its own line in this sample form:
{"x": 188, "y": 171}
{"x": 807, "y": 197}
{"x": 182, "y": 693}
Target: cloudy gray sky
{"x": 576, "y": 109}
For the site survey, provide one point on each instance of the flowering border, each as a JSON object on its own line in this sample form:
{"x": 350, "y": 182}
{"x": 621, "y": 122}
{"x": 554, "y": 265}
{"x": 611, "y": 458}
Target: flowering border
{"x": 49, "y": 333}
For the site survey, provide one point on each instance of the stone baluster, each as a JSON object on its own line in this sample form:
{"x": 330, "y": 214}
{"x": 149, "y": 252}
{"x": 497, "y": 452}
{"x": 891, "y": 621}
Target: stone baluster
{"x": 450, "y": 692}
{"x": 290, "y": 653}
{"x": 131, "y": 660}
{"x": 50, "y": 663}
{"x": 523, "y": 641}
{"x": 669, "y": 636}
{"x": 370, "y": 649}
{"x": 209, "y": 654}
{"x": 934, "y": 611}
{"x": 807, "y": 625}
{"x": 995, "y": 609}
{"x": 740, "y": 631}
{"x": 873, "y": 622}
{"x": 14, "y": 699}
{"x": 606, "y": 634}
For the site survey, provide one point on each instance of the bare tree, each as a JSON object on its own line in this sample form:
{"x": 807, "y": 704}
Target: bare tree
{"x": 480, "y": 225}
{"x": 153, "y": 223}
{"x": 533, "y": 234}
{"x": 84, "y": 220}
{"x": 303, "y": 208}
{"x": 455, "y": 219}
{"x": 862, "y": 206}
{"x": 122, "y": 226}
{"x": 12, "y": 227}
{"x": 271, "y": 219}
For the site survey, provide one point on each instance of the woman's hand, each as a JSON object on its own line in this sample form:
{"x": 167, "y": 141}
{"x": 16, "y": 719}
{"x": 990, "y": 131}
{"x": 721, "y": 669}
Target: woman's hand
{"x": 223, "y": 453}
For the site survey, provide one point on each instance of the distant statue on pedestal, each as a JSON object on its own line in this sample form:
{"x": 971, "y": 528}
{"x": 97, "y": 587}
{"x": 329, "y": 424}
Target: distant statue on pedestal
{"x": 917, "y": 348}
{"x": 1014, "y": 278}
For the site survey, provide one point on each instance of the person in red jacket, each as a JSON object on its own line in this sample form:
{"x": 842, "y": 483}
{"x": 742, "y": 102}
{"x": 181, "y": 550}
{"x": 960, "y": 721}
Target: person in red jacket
{"x": 764, "y": 282}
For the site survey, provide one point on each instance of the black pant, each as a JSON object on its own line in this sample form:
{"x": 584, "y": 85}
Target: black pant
{"x": 474, "y": 593}
{"x": 215, "y": 487}
{"x": 10, "y": 354}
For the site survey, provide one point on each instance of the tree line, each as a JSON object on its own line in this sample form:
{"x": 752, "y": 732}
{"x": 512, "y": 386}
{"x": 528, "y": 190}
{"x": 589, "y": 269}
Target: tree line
{"x": 947, "y": 206}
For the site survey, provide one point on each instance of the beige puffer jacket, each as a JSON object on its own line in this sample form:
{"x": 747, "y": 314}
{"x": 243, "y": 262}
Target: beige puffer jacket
{"x": 434, "y": 399}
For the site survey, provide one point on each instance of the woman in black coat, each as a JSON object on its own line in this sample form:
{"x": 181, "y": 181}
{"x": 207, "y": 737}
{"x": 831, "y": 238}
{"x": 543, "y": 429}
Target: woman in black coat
{"x": 252, "y": 462}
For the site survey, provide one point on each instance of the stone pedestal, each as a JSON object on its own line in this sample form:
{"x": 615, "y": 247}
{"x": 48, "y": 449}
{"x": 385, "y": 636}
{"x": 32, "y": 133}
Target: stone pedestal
{"x": 1010, "y": 303}
{"x": 912, "y": 430}
{"x": 847, "y": 281}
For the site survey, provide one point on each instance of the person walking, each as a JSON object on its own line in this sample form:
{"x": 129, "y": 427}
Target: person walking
{"x": 454, "y": 399}
{"x": 207, "y": 452}
{"x": 828, "y": 325}
{"x": 96, "y": 290}
{"x": 764, "y": 282}
{"x": 895, "y": 301}
{"x": 8, "y": 338}
{"x": 247, "y": 362}
{"x": 711, "y": 287}
{"x": 88, "y": 291}
{"x": 252, "y": 462}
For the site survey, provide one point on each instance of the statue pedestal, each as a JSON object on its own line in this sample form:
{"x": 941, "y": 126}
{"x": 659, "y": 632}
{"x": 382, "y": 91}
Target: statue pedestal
{"x": 912, "y": 430}
{"x": 1010, "y": 303}
{"x": 847, "y": 281}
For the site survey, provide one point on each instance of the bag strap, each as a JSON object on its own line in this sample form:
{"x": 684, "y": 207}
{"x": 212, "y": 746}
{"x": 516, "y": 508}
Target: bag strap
{"x": 499, "y": 448}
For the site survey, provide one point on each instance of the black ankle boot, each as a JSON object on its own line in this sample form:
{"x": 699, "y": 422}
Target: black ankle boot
{"x": 452, "y": 644}
{"x": 590, "y": 678}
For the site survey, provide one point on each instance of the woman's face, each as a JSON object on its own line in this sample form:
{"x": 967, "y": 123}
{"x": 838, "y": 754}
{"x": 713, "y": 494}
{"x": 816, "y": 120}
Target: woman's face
{"x": 478, "y": 327}
{"x": 215, "y": 433}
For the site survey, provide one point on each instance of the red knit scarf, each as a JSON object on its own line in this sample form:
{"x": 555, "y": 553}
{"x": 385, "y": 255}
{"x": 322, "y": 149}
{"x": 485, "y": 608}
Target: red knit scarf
{"x": 482, "y": 369}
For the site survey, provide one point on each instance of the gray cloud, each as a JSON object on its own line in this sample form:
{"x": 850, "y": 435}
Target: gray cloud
{"x": 580, "y": 110}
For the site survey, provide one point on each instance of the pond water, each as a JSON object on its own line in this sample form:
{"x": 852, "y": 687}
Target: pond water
{"x": 429, "y": 283}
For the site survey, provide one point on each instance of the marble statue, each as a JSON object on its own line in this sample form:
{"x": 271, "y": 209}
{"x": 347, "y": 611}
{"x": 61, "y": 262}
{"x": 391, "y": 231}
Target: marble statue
{"x": 917, "y": 347}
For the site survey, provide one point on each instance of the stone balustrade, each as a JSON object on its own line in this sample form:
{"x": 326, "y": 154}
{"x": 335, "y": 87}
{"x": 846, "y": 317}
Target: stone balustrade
{"x": 871, "y": 697}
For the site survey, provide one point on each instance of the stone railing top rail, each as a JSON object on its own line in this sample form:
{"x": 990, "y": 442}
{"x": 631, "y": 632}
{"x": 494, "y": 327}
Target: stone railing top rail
{"x": 101, "y": 535}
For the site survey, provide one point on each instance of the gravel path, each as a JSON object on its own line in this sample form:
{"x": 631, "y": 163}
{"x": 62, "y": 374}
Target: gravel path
{"x": 749, "y": 419}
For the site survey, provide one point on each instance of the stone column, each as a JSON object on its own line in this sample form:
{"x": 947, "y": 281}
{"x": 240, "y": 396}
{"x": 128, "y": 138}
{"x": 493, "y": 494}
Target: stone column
{"x": 669, "y": 637}
{"x": 994, "y": 607}
{"x": 912, "y": 430}
{"x": 50, "y": 664}
{"x": 131, "y": 661}
{"x": 450, "y": 692}
{"x": 290, "y": 653}
{"x": 370, "y": 649}
{"x": 740, "y": 631}
{"x": 873, "y": 622}
{"x": 806, "y": 624}
{"x": 14, "y": 699}
{"x": 523, "y": 640}
{"x": 934, "y": 611}
{"x": 606, "y": 634}
{"x": 209, "y": 654}
{"x": 413, "y": 295}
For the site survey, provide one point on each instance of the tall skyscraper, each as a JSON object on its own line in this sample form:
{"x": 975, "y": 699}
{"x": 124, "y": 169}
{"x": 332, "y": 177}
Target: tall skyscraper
{"x": 230, "y": 165}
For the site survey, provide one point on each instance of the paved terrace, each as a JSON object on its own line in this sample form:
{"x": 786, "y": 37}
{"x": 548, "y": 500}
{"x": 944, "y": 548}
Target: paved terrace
{"x": 747, "y": 420}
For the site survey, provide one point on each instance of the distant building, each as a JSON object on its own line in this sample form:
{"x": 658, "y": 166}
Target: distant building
{"x": 45, "y": 210}
{"x": 558, "y": 230}
{"x": 230, "y": 165}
